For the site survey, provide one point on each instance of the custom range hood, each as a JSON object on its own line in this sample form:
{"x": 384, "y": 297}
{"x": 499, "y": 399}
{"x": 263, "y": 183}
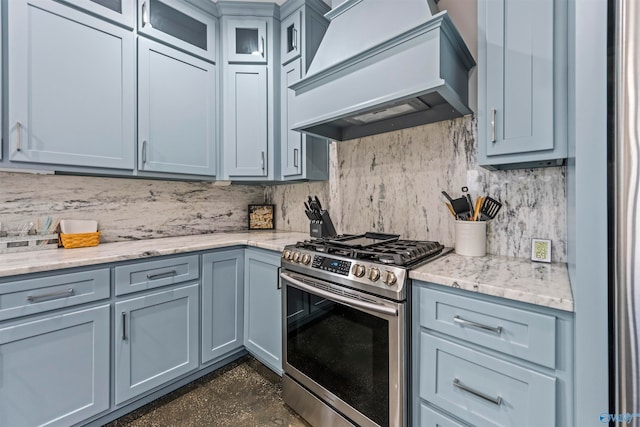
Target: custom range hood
{"x": 383, "y": 65}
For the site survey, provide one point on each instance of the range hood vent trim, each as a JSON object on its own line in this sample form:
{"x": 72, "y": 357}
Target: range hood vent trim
{"x": 437, "y": 38}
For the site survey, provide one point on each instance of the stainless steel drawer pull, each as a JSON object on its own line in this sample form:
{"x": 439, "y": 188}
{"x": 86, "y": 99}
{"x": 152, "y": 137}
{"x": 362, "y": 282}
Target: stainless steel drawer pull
{"x": 294, "y": 41}
{"x": 52, "y": 295}
{"x": 495, "y": 400}
{"x": 162, "y": 275}
{"x": 493, "y": 125}
{"x": 262, "y": 46}
{"x": 295, "y": 158}
{"x": 18, "y": 137}
{"x": 145, "y": 14}
{"x": 463, "y": 322}
{"x": 262, "y": 160}
{"x": 144, "y": 152}
{"x": 124, "y": 326}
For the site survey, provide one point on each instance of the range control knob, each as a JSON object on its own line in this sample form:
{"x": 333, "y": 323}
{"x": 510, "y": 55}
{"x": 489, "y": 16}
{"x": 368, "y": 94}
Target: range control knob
{"x": 358, "y": 270}
{"x": 374, "y": 274}
{"x": 390, "y": 278}
{"x": 296, "y": 257}
{"x": 286, "y": 254}
{"x": 306, "y": 259}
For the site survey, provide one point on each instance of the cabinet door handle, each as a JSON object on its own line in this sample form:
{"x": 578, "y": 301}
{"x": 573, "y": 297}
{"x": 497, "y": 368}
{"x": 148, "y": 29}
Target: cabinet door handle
{"x": 18, "y": 137}
{"x": 295, "y": 158}
{"x": 162, "y": 275}
{"x": 495, "y": 400}
{"x": 463, "y": 322}
{"x": 262, "y": 46}
{"x": 49, "y": 296}
{"x": 144, "y": 152}
{"x": 279, "y": 280}
{"x": 295, "y": 39}
{"x": 262, "y": 160}
{"x": 493, "y": 125}
{"x": 145, "y": 14}
{"x": 124, "y": 326}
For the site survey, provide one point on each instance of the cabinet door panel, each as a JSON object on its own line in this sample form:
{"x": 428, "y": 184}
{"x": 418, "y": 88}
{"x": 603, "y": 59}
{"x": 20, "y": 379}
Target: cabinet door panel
{"x": 72, "y": 87}
{"x": 177, "y": 107}
{"x": 247, "y": 40}
{"x": 519, "y": 40}
{"x": 292, "y": 148}
{"x": 291, "y": 37}
{"x": 55, "y": 371}
{"x": 178, "y": 24}
{"x": 222, "y": 303}
{"x": 263, "y": 308}
{"x": 156, "y": 340}
{"x": 245, "y": 121}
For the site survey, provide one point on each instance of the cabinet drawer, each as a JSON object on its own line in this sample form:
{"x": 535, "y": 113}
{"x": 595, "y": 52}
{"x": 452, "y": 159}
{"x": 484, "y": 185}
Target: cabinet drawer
{"x": 431, "y": 418}
{"x": 153, "y": 274}
{"x": 520, "y": 333}
{"x": 484, "y": 390}
{"x": 31, "y": 296}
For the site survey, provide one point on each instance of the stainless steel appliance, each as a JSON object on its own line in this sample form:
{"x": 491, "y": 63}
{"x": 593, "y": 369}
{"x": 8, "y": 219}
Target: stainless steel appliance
{"x": 346, "y": 327}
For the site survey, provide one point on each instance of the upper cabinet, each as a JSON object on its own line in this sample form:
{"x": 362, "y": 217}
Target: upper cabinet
{"x": 177, "y": 122}
{"x": 302, "y": 157}
{"x": 247, "y": 40}
{"x": 522, "y": 83}
{"x": 178, "y": 24}
{"x": 71, "y": 87}
{"x": 119, "y": 11}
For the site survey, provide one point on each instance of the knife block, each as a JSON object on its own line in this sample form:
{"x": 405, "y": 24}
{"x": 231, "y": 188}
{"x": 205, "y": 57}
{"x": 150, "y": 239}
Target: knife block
{"x": 323, "y": 227}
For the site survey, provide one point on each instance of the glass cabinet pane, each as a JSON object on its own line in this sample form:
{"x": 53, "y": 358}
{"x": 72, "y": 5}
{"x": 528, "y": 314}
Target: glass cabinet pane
{"x": 115, "y": 5}
{"x": 177, "y": 24}
{"x": 247, "y": 41}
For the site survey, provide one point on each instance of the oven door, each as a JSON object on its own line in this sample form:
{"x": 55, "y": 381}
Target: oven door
{"x": 347, "y": 348}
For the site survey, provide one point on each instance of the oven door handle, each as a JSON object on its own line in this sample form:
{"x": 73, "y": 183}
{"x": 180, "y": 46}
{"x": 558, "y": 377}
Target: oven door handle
{"x": 390, "y": 311}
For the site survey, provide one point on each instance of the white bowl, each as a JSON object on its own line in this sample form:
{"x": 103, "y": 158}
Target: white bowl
{"x": 76, "y": 226}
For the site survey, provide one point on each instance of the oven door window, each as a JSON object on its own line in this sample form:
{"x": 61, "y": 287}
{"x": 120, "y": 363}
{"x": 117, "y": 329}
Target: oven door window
{"x": 343, "y": 349}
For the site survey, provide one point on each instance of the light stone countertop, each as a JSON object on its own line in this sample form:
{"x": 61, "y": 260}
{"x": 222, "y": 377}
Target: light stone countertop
{"x": 55, "y": 259}
{"x": 512, "y": 278}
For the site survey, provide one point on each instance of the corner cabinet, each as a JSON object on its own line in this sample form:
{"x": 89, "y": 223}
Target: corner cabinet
{"x": 302, "y": 157}
{"x": 250, "y": 91}
{"x": 522, "y": 83}
{"x": 263, "y": 307}
{"x": 480, "y": 360}
{"x": 177, "y": 122}
{"x": 222, "y": 304}
{"x": 71, "y": 87}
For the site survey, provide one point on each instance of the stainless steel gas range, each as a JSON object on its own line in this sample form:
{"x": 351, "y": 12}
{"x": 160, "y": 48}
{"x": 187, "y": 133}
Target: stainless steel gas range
{"x": 345, "y": 327}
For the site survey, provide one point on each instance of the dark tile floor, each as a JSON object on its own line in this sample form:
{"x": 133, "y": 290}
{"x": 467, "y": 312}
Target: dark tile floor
{"x": 242, "y": 394}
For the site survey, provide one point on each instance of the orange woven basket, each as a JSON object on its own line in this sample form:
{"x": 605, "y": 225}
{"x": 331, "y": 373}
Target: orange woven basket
{"x": 79, "y": 240}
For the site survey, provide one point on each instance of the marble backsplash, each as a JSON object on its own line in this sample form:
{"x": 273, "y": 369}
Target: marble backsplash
{"x": 127, "y": 209}
{"x": 392, "y": 183}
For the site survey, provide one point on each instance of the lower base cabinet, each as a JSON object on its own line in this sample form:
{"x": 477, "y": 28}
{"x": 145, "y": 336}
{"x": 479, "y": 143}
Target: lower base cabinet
{"x": 54, "y": 370}
{"x": 222, "y": 303}
{"x": 263, "y": 308}
{"x": 156, "y": 339}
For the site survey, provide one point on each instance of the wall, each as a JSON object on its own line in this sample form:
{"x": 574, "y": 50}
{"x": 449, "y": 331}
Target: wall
{"x": 392, "y": 183}
{"x": 127, "y": 208}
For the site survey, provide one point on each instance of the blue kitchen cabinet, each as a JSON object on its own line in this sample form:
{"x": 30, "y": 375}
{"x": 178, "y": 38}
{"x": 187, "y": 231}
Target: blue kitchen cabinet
{"x": 302, "y": 157}
{"x": 522, "y": 83}
{"x": 156, "y": 339}
{"x": 247, "y": 40}
{"x": 177, "y": 122}
{"x": 263, "y": 307}
{"x": 119, "y": 11}
{"x": 71, "y": 87}
{"x": 246, "y": 129}
{"x": 222, "y": 304}
{"x": 179, "y": 24}
{"x": 54, "y": 368}
{"x": 481, "y": 360}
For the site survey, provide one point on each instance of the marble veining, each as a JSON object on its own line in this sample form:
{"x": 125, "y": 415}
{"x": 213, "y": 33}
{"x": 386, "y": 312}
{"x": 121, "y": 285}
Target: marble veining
{"x": 55, "y": 259}
{"x": 512, "y": 278}
{"x": 127, "y": 209}
{"x": 392, "y": 183}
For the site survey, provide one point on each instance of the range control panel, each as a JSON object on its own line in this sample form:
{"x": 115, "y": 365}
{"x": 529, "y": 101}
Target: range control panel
{"x": 332, "y": 265}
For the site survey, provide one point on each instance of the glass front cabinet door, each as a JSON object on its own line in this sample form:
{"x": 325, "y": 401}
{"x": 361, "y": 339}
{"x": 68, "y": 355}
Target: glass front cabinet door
{"x": 290, "y": 37}
{"x": 120, "y": 11}
{"x": 179, "y": 25}
{"x": 247, "y": 40}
